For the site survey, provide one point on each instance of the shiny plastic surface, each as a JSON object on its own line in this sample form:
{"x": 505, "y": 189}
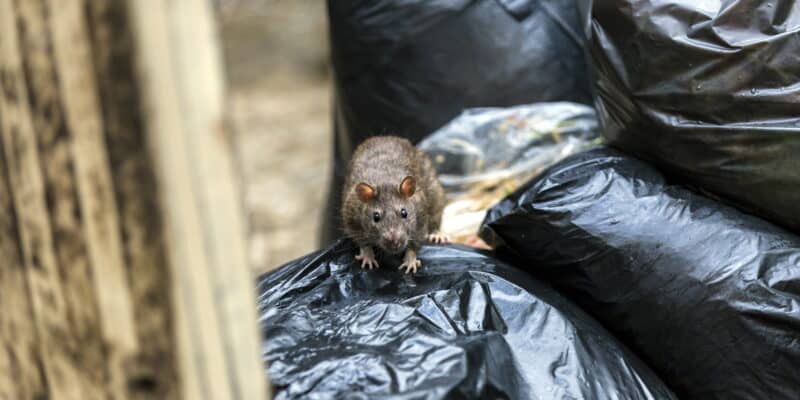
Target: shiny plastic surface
{"x": 486, "y": 153}
{"x": 493, "y": 144}
{"x": 708, "y": 296}
{"x": 465, "y": 327}
{"x": 707, "y": 90}
{"x": 406, "y": 67}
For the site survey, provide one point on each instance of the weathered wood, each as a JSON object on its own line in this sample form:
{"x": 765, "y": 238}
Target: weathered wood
{"x": 78, "y": 89}
{"x": 19, "y": 358}
{"x": 61, "y": 198}
{"x": 152, "y": 372}
{"x": 93, "y": 346}
{"x": 124, "y": 273}
{"x": 183, "y": 79}
{"x": 46, "y": 296}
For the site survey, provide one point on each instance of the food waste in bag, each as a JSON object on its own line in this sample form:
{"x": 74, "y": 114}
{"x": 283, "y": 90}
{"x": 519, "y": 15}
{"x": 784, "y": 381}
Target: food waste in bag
{"x": 486, "y": 153}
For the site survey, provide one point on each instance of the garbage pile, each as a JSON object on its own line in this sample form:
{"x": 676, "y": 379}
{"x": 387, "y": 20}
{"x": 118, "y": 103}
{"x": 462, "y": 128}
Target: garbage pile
{"x": 662, "y": 264}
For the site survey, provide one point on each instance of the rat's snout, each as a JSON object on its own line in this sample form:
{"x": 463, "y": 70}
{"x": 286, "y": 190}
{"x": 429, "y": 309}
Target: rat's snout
{"x": 392, "y": 238}
{"x": 393, "y": 241}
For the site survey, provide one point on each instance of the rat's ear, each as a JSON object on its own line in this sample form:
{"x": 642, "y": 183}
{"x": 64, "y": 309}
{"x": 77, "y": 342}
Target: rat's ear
{"x": 408, "y": 186}
{"x": 365, "y": 192}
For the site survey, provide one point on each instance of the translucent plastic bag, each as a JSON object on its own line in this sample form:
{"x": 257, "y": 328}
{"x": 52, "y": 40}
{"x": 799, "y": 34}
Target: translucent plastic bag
{"x": 486, "y": 153}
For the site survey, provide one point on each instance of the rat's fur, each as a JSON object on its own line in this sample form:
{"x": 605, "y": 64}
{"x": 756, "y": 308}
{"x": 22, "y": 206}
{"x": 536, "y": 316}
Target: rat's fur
{"x": 383, "y": 162}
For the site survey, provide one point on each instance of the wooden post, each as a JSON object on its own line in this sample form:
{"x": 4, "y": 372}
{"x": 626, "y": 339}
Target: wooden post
{"x": 124, "y": 273}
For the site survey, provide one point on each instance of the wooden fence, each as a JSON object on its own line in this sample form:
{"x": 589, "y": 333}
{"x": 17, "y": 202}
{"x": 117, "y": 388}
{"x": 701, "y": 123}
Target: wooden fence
{"x": 122, "y": 263}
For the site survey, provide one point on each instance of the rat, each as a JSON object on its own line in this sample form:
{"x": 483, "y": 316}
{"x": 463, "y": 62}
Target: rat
{"x": 392, "y": 200}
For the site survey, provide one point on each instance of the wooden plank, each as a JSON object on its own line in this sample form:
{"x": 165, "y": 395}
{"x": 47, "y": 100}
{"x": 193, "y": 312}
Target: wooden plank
{"x": 84, "y": 341}
{"x": 79, "y": 93}
{"x": 184, "y": 97}
{"x": 124, "y": 264}
{"x": 78, "y": 88}
{"x": 25, "y": 177}
{"x": 19, "y": 359}
{"x": 106, "y": 292}
{"x": 152, "y": 373}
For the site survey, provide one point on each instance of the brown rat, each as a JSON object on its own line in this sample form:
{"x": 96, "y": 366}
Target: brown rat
{"x": 392, "y": 200}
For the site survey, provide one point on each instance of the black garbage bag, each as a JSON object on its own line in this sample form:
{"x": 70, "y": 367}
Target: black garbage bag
{"x": 707, "y": 91}
{"x": 705, "y": 294}
{"x": 406, "y": 67}
{"x": 465, "y": 327}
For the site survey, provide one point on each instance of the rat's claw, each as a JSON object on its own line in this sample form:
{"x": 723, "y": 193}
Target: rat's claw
{"x": 367, "y": 259}
{"x": 411, "y": 266}
{"x": 373, "y": 263}
{"x": 438, "y": 238}
{"x": 367, "y": 262}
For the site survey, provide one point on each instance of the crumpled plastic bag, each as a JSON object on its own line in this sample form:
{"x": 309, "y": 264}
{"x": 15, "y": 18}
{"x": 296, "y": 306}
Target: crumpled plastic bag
{"x": 708, "y": 296}
{"x": 484, "y": 154}
{"x": 466, "y": 326}
{"x": 485, "y": 145}
{"x": 709, "y": 91}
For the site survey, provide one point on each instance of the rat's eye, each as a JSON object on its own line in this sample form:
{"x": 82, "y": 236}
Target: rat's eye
{"x": 403, "y": 213}
{"x": 376, "y": 216}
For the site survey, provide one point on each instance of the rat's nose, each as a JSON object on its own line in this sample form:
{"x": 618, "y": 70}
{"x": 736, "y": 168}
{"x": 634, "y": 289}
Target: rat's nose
{"x": 392, "y": 238}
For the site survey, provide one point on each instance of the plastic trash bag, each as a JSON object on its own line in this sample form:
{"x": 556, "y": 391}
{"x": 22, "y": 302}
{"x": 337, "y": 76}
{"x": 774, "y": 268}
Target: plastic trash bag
{"x": 708, "y": 296}
{"x": 491, "y": 144}
{"x": 486, "y": 153}
{"x": 709, "y": 91}
{"x": 465, "y": 327}
{"x": 406, "y": 67}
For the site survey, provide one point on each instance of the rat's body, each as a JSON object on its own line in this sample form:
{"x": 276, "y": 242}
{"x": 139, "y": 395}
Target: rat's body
{"x": 392, "y": 200}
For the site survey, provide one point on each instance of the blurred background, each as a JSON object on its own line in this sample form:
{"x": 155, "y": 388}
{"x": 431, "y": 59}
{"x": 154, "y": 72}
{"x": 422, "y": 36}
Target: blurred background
{"x": 276, "y": 56}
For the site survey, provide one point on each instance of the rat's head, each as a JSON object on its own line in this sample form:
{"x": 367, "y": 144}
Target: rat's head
{"x": 390, "y": 213}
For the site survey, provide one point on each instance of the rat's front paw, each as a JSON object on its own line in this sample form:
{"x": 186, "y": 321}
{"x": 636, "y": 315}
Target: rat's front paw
{"x": 411, "y": 264}
{"x": 438, "y": 238}
{"x": 367, "y": 258}
{"x": 411, "y": 267}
